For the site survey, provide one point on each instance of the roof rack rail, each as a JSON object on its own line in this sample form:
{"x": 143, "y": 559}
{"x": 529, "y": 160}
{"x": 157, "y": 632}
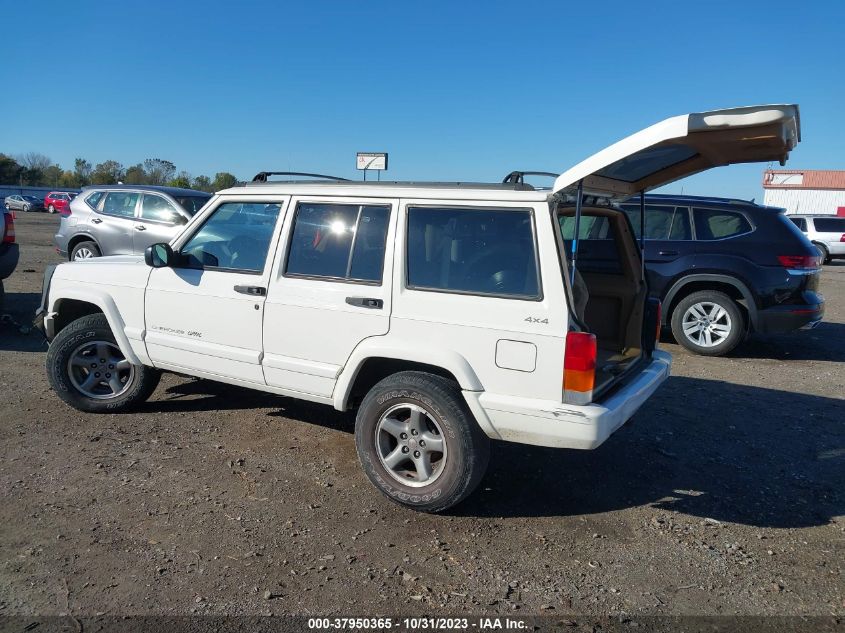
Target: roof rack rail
{"x": 518, "y": 177}
{"x": 262, "y": 176}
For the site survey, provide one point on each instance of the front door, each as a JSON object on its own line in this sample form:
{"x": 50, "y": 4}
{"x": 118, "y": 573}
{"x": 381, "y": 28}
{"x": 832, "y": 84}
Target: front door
{"x": 158, "y": 221}
{"x": 204, "y": 314}
{"x": 329, "y": 292}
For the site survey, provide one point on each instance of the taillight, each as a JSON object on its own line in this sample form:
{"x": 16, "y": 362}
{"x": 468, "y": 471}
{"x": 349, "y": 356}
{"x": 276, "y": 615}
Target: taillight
{"x": 842, "y": 239}
{"x": 800, "y": 261}
{"x": 9, "y": 235}
{"x": 579, "y": 368}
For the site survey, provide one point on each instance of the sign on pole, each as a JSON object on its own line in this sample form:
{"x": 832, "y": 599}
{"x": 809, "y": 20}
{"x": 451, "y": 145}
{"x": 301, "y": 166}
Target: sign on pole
{"x": 371, "y": 160}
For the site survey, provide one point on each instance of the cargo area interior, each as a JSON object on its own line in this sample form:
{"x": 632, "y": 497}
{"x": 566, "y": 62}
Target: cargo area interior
{"x": 608, "y": 290}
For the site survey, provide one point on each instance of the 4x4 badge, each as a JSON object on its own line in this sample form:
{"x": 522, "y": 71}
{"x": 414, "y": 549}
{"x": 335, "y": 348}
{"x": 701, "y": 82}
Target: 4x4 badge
{"x": 536, "y": 320}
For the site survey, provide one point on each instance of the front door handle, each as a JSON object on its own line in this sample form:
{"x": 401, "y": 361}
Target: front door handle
{"x": 140, "y": 227}
{"x": 365, "y": 302}
{"x": 255, "y": 291}
{"x": 667, "y": 252}
{"x": 96, "y": 220}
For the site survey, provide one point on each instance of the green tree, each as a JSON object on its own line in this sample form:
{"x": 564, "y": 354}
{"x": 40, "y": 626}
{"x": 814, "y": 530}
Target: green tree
{"x": 10, "y": 170}
{"x": 51, "y": 176}
{"x": 159, "y": 171}
{"x": 223, "y": 180}
{"x": 107, "y": 173}
{"x": 202, "y": 183}
{"x": 182, "y": 179}
{"x": 135, "y": 175}
{"x": 81, "y": 172}
{"x": 35, "y": 167}
{"x": 70, "y": 180}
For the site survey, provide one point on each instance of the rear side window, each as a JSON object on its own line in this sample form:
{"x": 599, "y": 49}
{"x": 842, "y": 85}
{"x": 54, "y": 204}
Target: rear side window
{"x": 801, "y": 223}
{"x": 94, "y": 199}
{"x": 476, "y": 251}
{"x": 120, "y": 203}
{"x": 713, "y": 224}
{"x": 661, "y": 222}
{"x": 338, "y": 241}
{"x": 829, "y": 225}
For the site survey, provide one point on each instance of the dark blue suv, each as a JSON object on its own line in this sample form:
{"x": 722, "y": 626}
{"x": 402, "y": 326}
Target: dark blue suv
{"x": 726, "y": 268}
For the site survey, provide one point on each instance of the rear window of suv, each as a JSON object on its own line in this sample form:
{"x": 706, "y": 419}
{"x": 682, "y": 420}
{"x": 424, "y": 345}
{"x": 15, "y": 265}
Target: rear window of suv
{"x": 473, "y": 251}
{"x": 716, "y": 224}
{"x": 829, "y": 225}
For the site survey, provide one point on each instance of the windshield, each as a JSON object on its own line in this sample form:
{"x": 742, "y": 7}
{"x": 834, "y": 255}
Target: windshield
{"x": 192, "y": 204}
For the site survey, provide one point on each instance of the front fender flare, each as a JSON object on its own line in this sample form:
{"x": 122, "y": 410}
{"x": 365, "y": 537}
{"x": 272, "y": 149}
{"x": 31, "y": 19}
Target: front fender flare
{"x": 108, "y": 307}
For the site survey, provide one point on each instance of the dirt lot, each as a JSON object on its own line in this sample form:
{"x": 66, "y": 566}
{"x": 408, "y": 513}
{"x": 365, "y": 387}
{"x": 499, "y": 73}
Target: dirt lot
{"x": 723, "y": 496}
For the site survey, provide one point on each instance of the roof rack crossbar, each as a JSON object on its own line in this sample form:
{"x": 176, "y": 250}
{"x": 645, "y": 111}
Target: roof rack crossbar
{"x": 518, "y": 177}
{"x": 262, "y": 175}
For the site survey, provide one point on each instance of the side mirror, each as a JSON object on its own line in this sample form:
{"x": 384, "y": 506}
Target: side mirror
{"x": 158, "y": 255}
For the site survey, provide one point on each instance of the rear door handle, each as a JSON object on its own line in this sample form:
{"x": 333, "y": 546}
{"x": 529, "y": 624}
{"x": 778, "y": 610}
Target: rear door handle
{"x": 96, "y": 220}
{"x": 365, "y": 302}
{"x": 255, "y": 291}
{"x": 667, "y": 252}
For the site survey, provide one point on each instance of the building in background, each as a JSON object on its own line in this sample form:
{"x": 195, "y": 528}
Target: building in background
{"x": 805, "y": 191}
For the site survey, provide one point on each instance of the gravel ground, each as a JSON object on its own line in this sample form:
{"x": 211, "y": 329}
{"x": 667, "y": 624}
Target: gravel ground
{"x": 722, "y": 496}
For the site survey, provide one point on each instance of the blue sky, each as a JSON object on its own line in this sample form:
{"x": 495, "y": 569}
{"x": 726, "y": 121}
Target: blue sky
{"x": 452, "y": 90}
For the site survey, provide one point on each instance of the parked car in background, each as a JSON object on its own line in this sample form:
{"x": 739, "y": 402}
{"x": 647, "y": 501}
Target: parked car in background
{"x": 58, "y": 201}
{"x": 124, "y": 219}
{"x": 724, "y": 269}
{"x": 445, "y": 314}
{"x": 826, "y": 232}
{"x": 19, "y": 202}
{"x": 8, "y": 252}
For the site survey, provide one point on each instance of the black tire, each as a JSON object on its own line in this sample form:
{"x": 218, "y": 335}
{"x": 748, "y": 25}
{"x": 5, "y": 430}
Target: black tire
{"x": 735, "y": 321}
{"x": 2, "y": 297}
{"x": 825, "y": 254}
{"x": 91, "y": 246}
{"x": 140, "y": 385}
{"x": 467, "y": 448}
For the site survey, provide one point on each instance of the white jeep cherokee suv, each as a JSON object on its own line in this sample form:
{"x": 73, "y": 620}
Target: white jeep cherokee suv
{"x": 446, "y": 314}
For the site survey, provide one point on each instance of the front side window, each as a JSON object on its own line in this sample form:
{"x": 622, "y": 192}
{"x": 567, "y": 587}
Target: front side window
{"x": 661, "y": 222}
{"x": 158, "y": 209}
{"x": 120, "y": 203}
{"x": 712, "y": 224}
{"x": 475, "y": 251}
{"x": 235, "y": 237}
{"x": 338, "y": 241}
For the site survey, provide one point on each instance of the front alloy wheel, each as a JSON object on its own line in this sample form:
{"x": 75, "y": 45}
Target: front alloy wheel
{"x": 99, "y": 370}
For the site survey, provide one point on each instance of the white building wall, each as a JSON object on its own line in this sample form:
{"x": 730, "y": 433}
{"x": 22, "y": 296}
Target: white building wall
{"x": 805, "y": 201}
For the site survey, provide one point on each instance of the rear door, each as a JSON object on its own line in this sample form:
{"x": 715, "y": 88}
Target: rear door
{"x": 328, "y": 290}
{"x": 684, "y": 145}
{"x": 158, "y": 221}
{"x": 113, "y": 224}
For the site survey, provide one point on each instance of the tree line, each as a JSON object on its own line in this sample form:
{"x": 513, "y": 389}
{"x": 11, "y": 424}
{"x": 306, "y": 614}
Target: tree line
{"x": 37, "y": 170}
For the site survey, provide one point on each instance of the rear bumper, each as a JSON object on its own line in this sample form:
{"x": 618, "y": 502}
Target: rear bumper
{"x": 783, "y": 319}
{"x": 549, "y": 423}
{"x": 9, "y": 254}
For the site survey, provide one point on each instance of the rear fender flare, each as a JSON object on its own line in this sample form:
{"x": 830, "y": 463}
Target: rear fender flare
{"x": 705, "y": 277}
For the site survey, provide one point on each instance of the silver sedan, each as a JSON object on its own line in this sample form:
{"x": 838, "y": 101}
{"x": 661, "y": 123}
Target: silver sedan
{"x": 19, "y": 202}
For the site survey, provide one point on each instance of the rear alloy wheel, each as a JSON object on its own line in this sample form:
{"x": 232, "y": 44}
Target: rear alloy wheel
{"x": 89, "y": 372}
{"x": 51, "y": 209}
{"x": 418, "y": 442}
{"x": 708, "y": 323}
{"x": 84, "y": 250}
{"x": 823, "y": 252}
{"x": 26, "y": 208}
